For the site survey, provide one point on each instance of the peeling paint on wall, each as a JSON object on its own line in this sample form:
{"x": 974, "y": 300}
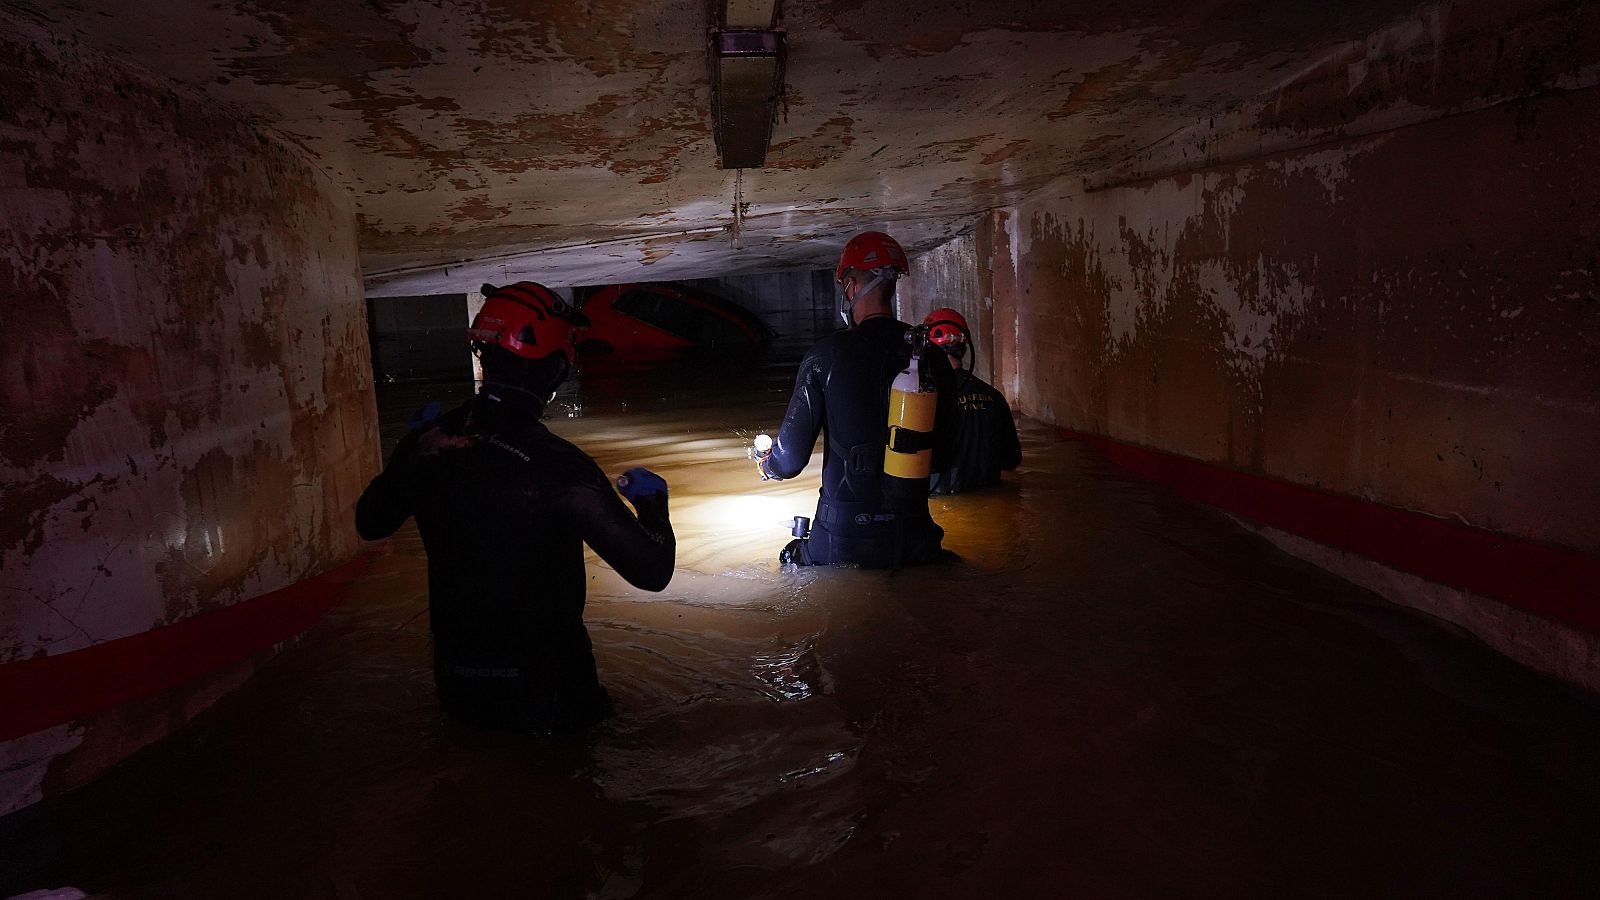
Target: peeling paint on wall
{"x": 1411, "y": 318}
{"x": 1441, "y": 59}
{"x": 1178, "y": 236}
{"x": 186, "y": 415}
{"x": 478, "y": 128}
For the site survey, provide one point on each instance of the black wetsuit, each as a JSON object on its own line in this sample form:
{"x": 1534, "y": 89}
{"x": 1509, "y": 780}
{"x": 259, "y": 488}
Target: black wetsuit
{"x": 985, "y": 439}
{"x": 505, "y": 508}
{"x": 864, "y": 517}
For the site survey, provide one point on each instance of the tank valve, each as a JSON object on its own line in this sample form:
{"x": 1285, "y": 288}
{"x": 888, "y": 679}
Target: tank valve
{"x": 802, "y": 527}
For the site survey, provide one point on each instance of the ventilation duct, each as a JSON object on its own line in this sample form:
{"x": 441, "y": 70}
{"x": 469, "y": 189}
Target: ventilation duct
{"x": 747, "y": 55}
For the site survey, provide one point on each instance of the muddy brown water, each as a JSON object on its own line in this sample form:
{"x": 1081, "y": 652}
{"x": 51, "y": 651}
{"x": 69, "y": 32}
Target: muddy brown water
{"x": 1114, "y": 693}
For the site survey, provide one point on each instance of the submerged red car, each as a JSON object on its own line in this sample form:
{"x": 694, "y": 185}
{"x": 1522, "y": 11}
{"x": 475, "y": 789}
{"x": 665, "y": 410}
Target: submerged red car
{"x": 665, "y": 318}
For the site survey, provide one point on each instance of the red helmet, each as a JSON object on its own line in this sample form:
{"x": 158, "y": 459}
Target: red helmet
{"x": 528, "y": 319}
{"x": 872, "y": 251}
{"x": 946, "y": 326}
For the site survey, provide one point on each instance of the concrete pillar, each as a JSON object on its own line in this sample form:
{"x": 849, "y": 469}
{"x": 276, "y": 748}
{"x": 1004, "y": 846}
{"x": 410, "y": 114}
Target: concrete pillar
{"x": 474, "y": 304}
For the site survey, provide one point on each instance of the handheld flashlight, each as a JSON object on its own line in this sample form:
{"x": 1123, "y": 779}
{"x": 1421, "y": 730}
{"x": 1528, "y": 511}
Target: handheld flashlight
{"x": 760, "y": 449}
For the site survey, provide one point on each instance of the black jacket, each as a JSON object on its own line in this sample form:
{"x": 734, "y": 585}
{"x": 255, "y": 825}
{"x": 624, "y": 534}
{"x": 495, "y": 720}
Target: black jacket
{"x": 505, "y": 508}
{"x": 984, "y": 438}
{"x": 842, "y": 391}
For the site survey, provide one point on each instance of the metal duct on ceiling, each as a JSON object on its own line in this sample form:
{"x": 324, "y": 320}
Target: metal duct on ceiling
{"x": 747, "y": 56}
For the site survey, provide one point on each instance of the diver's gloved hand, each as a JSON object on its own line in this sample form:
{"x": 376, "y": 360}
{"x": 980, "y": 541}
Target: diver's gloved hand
{"x": 761, "y": 451}
{"x": 423, "y": 416}
{"x": 409, "y": 447}
{"x": 766, "y": 473}
{"x": 640, "y": 482}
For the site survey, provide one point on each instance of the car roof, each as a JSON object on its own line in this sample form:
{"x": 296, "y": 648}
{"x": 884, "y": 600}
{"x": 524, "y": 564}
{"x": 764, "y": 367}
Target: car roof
{"x": 701, "y": 296}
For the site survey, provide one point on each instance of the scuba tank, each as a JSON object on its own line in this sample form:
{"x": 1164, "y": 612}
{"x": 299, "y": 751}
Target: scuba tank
{"x": 913, "y": 398}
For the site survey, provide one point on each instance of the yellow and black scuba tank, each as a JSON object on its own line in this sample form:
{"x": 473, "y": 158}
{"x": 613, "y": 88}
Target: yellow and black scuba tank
{"x": 913, "y": 398}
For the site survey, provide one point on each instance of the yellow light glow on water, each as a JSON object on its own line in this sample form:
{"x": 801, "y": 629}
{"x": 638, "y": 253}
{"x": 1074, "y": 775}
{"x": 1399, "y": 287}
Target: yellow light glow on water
{"x": 749, "y": 511}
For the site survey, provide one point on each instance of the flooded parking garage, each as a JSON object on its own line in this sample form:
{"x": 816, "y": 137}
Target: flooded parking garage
{"x": 1261, "y": 279}
{"x": 1114, "y": 692}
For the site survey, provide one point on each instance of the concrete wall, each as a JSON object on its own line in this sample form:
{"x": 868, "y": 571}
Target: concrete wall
{"x": 1410, "y": 316}
{"x": 419, "y": 338}
{"x": 186, "y": 416}
{"x": 950, "y": 275}
{"x": 797, "y": 305}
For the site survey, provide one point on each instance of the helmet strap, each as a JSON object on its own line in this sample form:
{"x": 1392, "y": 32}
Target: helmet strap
{"x": 849, "y": 311}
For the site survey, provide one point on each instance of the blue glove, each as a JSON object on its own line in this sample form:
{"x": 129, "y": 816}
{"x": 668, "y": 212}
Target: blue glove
{"x": 423, "y": 416}
{"x": 640, "y": 482}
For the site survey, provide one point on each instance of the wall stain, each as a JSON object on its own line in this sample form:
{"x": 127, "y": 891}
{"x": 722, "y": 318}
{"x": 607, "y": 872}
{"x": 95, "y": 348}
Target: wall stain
{"x": 826, "y": 143}
{"x": 1004, "y": 153}
{"x": 24, "y": 509}
{"x": 1346, "y": 319}
{"x": 1098, "y": 90}
{"x": 178, "y": 287}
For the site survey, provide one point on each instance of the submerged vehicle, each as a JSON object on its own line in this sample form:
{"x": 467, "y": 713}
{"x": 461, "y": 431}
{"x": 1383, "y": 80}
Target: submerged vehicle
{"x": 666, "y": 318}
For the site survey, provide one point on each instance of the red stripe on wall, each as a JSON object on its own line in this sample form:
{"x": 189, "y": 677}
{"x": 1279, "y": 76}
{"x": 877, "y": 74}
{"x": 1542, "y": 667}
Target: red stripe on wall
{"x": 1559, "y": 584}
{"x": 51, "y": 690}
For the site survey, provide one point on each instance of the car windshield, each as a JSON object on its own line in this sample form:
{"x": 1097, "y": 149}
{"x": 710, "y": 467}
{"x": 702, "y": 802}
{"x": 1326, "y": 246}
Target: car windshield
{"x": 680, "y": 318}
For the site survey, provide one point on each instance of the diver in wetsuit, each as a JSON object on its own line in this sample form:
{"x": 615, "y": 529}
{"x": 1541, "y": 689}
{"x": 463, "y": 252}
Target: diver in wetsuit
{"x": 983, "y": 435}
{"x": 864, "y": 517}
{"x": 504, "y": 508}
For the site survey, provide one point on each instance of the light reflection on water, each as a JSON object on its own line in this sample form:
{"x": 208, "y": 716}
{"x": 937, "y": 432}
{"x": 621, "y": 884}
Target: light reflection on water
{"x": 1113, "y": 693}
{"x": 725, "y": 703}
{"x": 793, "y": 674}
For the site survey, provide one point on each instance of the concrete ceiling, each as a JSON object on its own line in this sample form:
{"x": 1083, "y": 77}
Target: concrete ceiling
{"x": 570, "y": 141}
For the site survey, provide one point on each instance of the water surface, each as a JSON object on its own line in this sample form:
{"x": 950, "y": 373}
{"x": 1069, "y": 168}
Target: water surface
{"x": 1114, "y": 693}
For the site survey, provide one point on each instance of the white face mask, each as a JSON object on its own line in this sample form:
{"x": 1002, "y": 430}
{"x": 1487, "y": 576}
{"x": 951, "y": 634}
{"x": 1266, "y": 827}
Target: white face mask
{"x": 847, "y": 311}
